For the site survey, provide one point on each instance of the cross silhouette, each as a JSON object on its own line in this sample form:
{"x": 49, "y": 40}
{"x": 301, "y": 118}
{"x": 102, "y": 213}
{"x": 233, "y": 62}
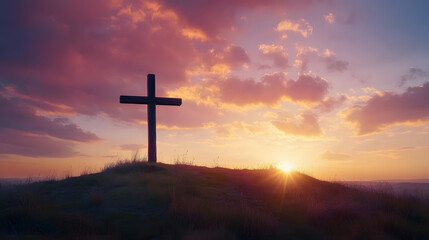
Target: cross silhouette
{"x": 151, "y": 102}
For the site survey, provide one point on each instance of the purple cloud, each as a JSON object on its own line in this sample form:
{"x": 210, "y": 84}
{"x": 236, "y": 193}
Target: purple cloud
{"x": 30, "y": 145}
{"x": 412, "y": 74}
{"x": 19, "y": 116}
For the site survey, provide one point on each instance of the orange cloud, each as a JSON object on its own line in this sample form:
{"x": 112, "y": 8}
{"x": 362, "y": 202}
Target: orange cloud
{"x": 219, "y": 60}
{"x": 194, "y": 33}
{"x": 306, "y": 126}
{"x": 300, "y": 26}
{"x": 275, "y": 52}
{"x": 387, "y": 108}
{"x": 197, "y": 93}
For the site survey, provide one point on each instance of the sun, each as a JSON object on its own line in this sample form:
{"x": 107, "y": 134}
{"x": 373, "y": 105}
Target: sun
{"x": 285, "y": 167}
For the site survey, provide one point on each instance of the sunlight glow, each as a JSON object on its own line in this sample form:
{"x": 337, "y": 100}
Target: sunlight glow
{"x": 285, "y": 167}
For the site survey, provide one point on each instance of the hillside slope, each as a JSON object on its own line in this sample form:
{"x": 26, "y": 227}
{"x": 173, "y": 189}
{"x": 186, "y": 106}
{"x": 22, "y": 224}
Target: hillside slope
{"x": 137, "y": 200}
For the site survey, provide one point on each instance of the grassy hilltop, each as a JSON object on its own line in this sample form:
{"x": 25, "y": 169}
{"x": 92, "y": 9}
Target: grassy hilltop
{"x": 137, "y": 200}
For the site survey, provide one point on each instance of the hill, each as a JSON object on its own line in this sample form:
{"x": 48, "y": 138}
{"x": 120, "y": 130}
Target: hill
{"x": 137, "y": 200}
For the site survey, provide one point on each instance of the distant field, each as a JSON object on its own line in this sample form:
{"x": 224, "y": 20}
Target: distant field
{"x": 401, "y": 186}
{"x": 410, "y": 187}
{"x": 137, "y": 200}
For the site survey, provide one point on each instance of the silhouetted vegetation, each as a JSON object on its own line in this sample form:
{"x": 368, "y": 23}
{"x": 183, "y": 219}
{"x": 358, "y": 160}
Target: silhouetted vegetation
{"x": 137, "y": 200}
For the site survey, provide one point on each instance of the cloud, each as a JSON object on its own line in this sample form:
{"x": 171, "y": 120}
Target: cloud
{"x": 328, "y": 155}
{"x": 23, "y": 131}
{"x": 194, "y": 33}
{"x": 102, "y": 49}
{"x": 84, "y": 61}
{"x": 212, "y": 16}
{"x": 276, "y": 53}
{"x": 30, "y": 145}
{"x": 306, "y": 126}
{"x": 386, "y": 109}
{"x": 412, "y": 74}
{"x": 300, "y": 26}
{"x": 330, "y": 103}
{"x": 272, "y": 88}
{"x": 237, "y": 129}
{"x": 19, "y": 116}
{"x": 306, "y": 55}
{"x": 81, "y": 55}
{"x": 263, "y": 66}
{"x": 235, "y": 56}
{"x": 228, "y": 130}
{"x": 307, "y": 88}
{"x": 330, "y": 18}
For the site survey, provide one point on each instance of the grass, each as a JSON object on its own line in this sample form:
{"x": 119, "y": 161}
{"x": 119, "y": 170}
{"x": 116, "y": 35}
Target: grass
{"x": 137, "y": 200}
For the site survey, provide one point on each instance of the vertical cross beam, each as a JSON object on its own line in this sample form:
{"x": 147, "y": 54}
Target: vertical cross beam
{"x": 151, "y": 118}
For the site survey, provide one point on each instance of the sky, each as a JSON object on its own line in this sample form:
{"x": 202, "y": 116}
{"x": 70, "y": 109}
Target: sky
{"x": 338, "y": 89}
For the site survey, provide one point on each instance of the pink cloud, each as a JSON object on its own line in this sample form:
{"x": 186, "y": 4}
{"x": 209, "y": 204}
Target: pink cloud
{"x": 84, "y": 55}
{"x": 86, "y": 62}
{"x": 212, "y": 16}
{"x": 236, "y": 56}
{"x": 91, "y": 65}
{"x": 306, "y": 126}
{"x": 389, "y": 108}
{"x": 272, "y": 88}
{"x": 307, "y": 88}
{"x": 77, "y": 57}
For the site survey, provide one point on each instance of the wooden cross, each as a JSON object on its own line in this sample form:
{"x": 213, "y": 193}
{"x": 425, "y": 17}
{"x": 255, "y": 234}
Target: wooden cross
{"x": 151, "y": 102}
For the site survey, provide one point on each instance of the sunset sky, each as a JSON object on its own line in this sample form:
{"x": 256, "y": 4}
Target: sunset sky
{"x": 338, "y": 89}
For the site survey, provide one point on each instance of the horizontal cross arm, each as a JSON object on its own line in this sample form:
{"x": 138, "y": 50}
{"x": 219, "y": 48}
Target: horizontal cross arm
{"x": 147, "y": 100}
{"x": 168, "y": 101}
{"x": 135, "y": 99}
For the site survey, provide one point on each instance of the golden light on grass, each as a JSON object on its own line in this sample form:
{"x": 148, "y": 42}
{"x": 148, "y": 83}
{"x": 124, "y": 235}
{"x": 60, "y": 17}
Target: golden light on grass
{"x": 285, "y": 167}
